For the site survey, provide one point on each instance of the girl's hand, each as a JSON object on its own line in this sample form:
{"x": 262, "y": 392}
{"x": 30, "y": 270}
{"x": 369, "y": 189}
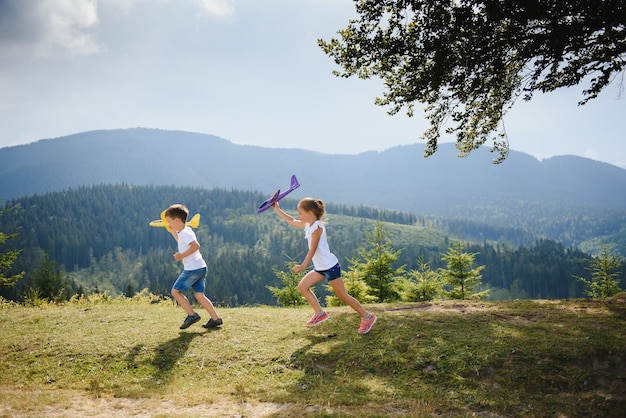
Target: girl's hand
{"x": 274, "y": 201}
{"x": 178, "y": 256}
{"x": 298, "y": 268}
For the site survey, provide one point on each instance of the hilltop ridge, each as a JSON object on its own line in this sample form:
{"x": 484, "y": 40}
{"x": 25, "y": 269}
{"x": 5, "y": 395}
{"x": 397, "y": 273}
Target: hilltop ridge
{"x": 523, "y": 192}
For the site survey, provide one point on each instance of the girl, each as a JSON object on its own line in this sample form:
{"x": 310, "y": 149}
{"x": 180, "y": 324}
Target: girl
{"x": 325, "y": 263}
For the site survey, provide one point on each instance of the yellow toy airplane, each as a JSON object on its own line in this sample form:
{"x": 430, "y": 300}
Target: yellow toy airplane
{"x": 194, "y": 222}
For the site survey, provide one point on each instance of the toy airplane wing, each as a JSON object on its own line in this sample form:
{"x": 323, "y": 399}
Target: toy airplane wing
{"x": 278, "y": 195}
{"x": 194, "y": 222}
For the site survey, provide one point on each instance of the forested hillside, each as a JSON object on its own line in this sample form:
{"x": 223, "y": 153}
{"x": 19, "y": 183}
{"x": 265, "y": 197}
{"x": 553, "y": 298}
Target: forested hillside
{"x": 100, "y": 238}
{"x": 572, "y": 200}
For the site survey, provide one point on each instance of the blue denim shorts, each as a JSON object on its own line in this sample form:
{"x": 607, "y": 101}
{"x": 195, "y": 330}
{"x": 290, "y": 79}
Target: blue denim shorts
{"x": 191, "y": 278}
{"x": 332, "y": 273}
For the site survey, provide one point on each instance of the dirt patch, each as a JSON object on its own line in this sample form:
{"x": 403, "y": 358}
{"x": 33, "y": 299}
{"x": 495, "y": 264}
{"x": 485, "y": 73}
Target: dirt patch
{"x": 443, "y": 307}
{"x": 146, "y": 408}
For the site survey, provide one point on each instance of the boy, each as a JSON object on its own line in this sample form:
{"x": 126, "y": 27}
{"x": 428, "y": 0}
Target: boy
{"x": 194, "y": 268}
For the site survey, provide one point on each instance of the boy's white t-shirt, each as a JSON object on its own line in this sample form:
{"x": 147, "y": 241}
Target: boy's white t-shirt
{"x": 323, "y": 259}
{"x": 194, "y": 260}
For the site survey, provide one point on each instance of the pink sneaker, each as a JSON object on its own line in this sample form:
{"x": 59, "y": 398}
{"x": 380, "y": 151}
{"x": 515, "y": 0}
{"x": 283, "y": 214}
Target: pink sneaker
{"x": 367, "y": 323}
{"x": 317, "y": 319}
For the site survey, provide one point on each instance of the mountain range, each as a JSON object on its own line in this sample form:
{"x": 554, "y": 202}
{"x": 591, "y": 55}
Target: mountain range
{"x": 520, "y": 192}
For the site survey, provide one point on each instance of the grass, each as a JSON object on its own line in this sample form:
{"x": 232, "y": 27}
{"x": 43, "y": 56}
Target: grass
{"x": 527, "y": 358}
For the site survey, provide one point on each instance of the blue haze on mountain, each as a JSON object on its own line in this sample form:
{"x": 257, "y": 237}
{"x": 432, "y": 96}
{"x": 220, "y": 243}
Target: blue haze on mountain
{"x": 512, "y": 193}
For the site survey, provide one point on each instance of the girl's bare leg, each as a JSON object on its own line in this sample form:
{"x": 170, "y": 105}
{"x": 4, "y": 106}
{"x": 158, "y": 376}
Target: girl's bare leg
{"x": 342, "y": 293}
{"x": 309, "y": 280}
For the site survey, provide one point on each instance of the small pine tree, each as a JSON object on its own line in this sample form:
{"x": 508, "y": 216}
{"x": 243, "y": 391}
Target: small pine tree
{"x": 377, "y": 266}
{"x": 130, "y": 291}
{"x": 288, "y": 295}
{"x": 6, "y": 261}
{"x": 50, "y": 282}
{"x": 459, "y": 274}
{"x": 420, "y": 285}
{"x": 604, "y": 282}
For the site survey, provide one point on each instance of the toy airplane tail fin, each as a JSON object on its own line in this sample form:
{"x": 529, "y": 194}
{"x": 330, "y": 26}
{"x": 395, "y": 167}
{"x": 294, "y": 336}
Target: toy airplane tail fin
{"x": 164, "y": 221}
{"x": 195, "y": 221}
{"x": 294, "y": 182}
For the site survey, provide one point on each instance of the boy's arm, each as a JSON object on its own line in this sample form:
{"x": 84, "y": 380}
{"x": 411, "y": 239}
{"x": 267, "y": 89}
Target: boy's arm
{"x": 286, "y": 217}
{"x": 193, "y": 247}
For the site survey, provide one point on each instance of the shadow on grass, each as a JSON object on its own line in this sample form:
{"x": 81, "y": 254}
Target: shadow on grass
{"x": 336, "y": 371}
{"x": 517, "y": 360}
{"x": 158, "y": 369}
{"x": 167, "y": 354}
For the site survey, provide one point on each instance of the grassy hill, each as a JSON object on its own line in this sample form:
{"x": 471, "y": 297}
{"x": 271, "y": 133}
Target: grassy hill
{"x": 127, "y": 357}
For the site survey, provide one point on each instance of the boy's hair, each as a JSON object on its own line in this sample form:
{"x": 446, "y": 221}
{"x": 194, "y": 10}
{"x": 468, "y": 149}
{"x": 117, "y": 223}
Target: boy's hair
{"x": 177, "y": 211}
{"x": 313, "y": 205}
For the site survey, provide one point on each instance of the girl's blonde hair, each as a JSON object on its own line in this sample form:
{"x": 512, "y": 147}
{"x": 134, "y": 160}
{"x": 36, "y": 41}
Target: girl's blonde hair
{"x": 313, "y": 205}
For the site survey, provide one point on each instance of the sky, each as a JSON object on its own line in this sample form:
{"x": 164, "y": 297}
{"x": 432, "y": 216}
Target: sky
{"x": 248, "y": 71}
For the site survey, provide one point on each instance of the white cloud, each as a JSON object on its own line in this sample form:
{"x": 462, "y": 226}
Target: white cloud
{"x": 39, "y": 28}
{"x": 217, "y": 7}
{"x": 69, "y": 21}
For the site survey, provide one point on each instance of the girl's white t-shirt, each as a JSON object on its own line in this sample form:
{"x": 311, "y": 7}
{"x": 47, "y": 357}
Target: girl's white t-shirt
{"x": 323, "y": 259}
{"x": 193, "y": 261}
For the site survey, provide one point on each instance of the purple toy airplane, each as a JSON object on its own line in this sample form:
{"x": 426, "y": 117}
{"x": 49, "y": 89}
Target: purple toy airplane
{"x": 278, "y": 195}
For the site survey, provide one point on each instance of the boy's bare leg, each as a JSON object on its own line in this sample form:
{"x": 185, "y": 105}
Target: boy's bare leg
{"x": 207, "y": 304}
{"x": 183, "y": 301}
